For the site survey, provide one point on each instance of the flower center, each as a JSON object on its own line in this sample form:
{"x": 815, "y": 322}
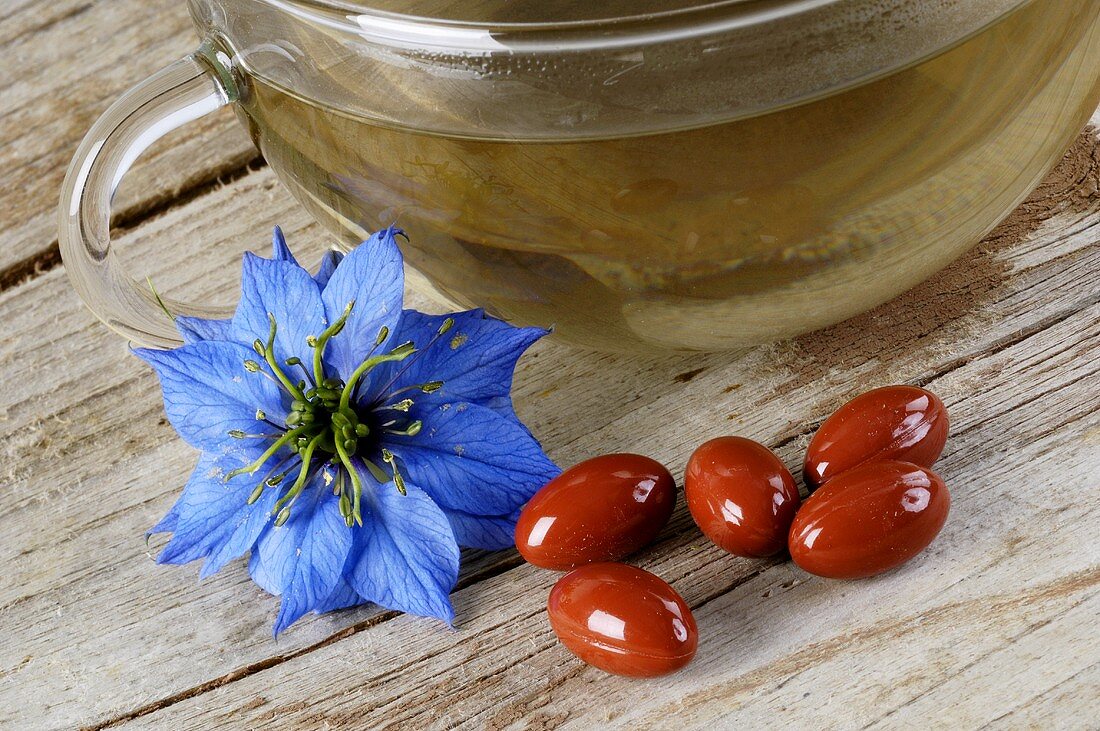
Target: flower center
{"x": 327, "y": 427}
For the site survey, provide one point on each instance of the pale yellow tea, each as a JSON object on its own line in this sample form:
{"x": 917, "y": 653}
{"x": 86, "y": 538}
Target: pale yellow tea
{"x": 718, "y": 236}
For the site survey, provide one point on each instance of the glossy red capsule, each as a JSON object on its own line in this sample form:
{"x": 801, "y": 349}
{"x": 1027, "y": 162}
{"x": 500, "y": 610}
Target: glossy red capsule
{"x": 869, "y": 519}
{"x": 602, "y": 509}
{"x": 895, "y": 422}
{"x": 623, "y": 620}
{"x": 741, "y": 496}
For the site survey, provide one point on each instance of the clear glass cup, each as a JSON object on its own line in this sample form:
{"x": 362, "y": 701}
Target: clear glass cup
{"x": 640, "y": 174}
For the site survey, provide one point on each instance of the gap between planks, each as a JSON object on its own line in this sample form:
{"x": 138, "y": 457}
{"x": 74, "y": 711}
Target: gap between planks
{"x": 1068, "y": 342}
{"x": 1074, "y": 306}
{"x": 128, "y": 219}
{"x": 63, "y": 63}
{"x": 260, "y": 666}
{"x": 1055, "y": 317}
{"x": 997, "y": 348}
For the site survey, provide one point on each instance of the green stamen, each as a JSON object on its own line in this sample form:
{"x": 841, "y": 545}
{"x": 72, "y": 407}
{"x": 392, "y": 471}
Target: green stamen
{"x": 377, "y": 472}
{"x": 402, "y": 405}
{"x": 383, "y": 333}
{"x": 268, "y": 454}
{"x": 356, "y": 482}
{"x": 401, "y": 352}
{"x": 398, "y": 480}
{"x": 411, "y": 430}
{"x": 296, "y": 361}
{"x": 239, "y": 434}
{"x": 270, "y": 479}
{"x": 346, "y": 510}
{"x": 256, "y": 493}
{"x": 446, "y": 325}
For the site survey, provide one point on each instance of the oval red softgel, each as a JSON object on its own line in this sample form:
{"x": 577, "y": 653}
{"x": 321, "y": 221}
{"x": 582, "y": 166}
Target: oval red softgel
{"x": 602, "y": 509}
{"x": 741, "y": 496}
{"x": 623, "y": 620}
{"x": 894, "y": 422}
{"x": 869, "y": 519}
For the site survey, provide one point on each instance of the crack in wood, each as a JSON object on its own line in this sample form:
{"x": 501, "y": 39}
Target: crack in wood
{"x": 131, "y": 218}
{"x": 256, "y": 667}
{"x": 515, "y": 561}
{"x": 817, "y": 653}
{"x": 959, "y": 671}
{"x": 1040, "y": 694}
{"x": 251, "y": 669}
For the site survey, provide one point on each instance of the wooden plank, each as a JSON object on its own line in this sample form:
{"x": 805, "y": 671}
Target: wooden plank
{"x": 62, "y": 63}
{"x": 91, "y": 421}
{"x": 1001, "y": 607}
{"x": 27, "y": 17}
{"x": 1056, "y": 707}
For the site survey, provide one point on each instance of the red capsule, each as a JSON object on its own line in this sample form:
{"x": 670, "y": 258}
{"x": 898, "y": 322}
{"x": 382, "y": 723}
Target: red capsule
{"x": 602, "y": 509}
{"x": 623, "y": 620}
{"x": 741, "y": 496}
{"x": 869, "y": 519}
{"x": 894, "y": 422}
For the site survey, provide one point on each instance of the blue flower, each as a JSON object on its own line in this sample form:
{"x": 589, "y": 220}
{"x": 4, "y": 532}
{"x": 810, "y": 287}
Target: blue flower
{"x": 349, "y": 445}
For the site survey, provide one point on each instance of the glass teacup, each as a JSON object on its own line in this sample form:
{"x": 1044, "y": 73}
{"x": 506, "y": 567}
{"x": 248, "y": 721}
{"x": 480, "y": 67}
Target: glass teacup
{"x": 654, "y": 174}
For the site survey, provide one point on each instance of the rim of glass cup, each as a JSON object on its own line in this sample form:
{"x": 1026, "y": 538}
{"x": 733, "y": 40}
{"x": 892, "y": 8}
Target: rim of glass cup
{"x": 392, "y": 28}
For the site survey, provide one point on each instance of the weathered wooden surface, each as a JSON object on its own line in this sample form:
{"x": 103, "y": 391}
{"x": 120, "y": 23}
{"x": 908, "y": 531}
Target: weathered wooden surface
{"x": 995, "y": 624}
{"x": 62, "y": 62}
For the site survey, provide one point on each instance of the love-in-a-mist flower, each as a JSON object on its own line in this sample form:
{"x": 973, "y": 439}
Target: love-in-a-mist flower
{"x": 349, "y": 445}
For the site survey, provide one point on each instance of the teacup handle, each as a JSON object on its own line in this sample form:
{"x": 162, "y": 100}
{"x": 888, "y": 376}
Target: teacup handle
{"x": 186, "y": 90}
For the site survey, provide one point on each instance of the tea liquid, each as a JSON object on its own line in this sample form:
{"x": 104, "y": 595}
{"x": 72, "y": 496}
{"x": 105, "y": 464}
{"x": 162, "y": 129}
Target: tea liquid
{"x": 730, "y": 234}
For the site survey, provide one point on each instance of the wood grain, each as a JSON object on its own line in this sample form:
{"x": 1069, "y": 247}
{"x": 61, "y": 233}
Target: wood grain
{"x": 779, "y": 646}
{"x": 994, "y": 626}
{"x": 90, "y": 464}
{"x": 62, "y": 63}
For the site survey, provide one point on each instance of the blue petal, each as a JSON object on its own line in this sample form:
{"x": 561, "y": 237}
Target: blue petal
{"x": 372, "y": 277}
{"x": 329, "y": 261}
{"x": 208, "y": 392}
{"x": 286, "y": 291}
{"x": 196, "y": 329}
{"x": 407, "y": 555}
{"x": 262, "y": 574}
{"x": 168, "y": 523}
{"x": 304, "y": 558}
{"x": 490, "y": 532}
{"x": 279, "y": 250}
{"x": 213, "y": 518}
{"x": 249, "y": 523}
{"x": 193, "y": 542}
{"x": 470, "y": 458}
{"x": 475, "y": 359}
{"x": 342, "y": 597}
